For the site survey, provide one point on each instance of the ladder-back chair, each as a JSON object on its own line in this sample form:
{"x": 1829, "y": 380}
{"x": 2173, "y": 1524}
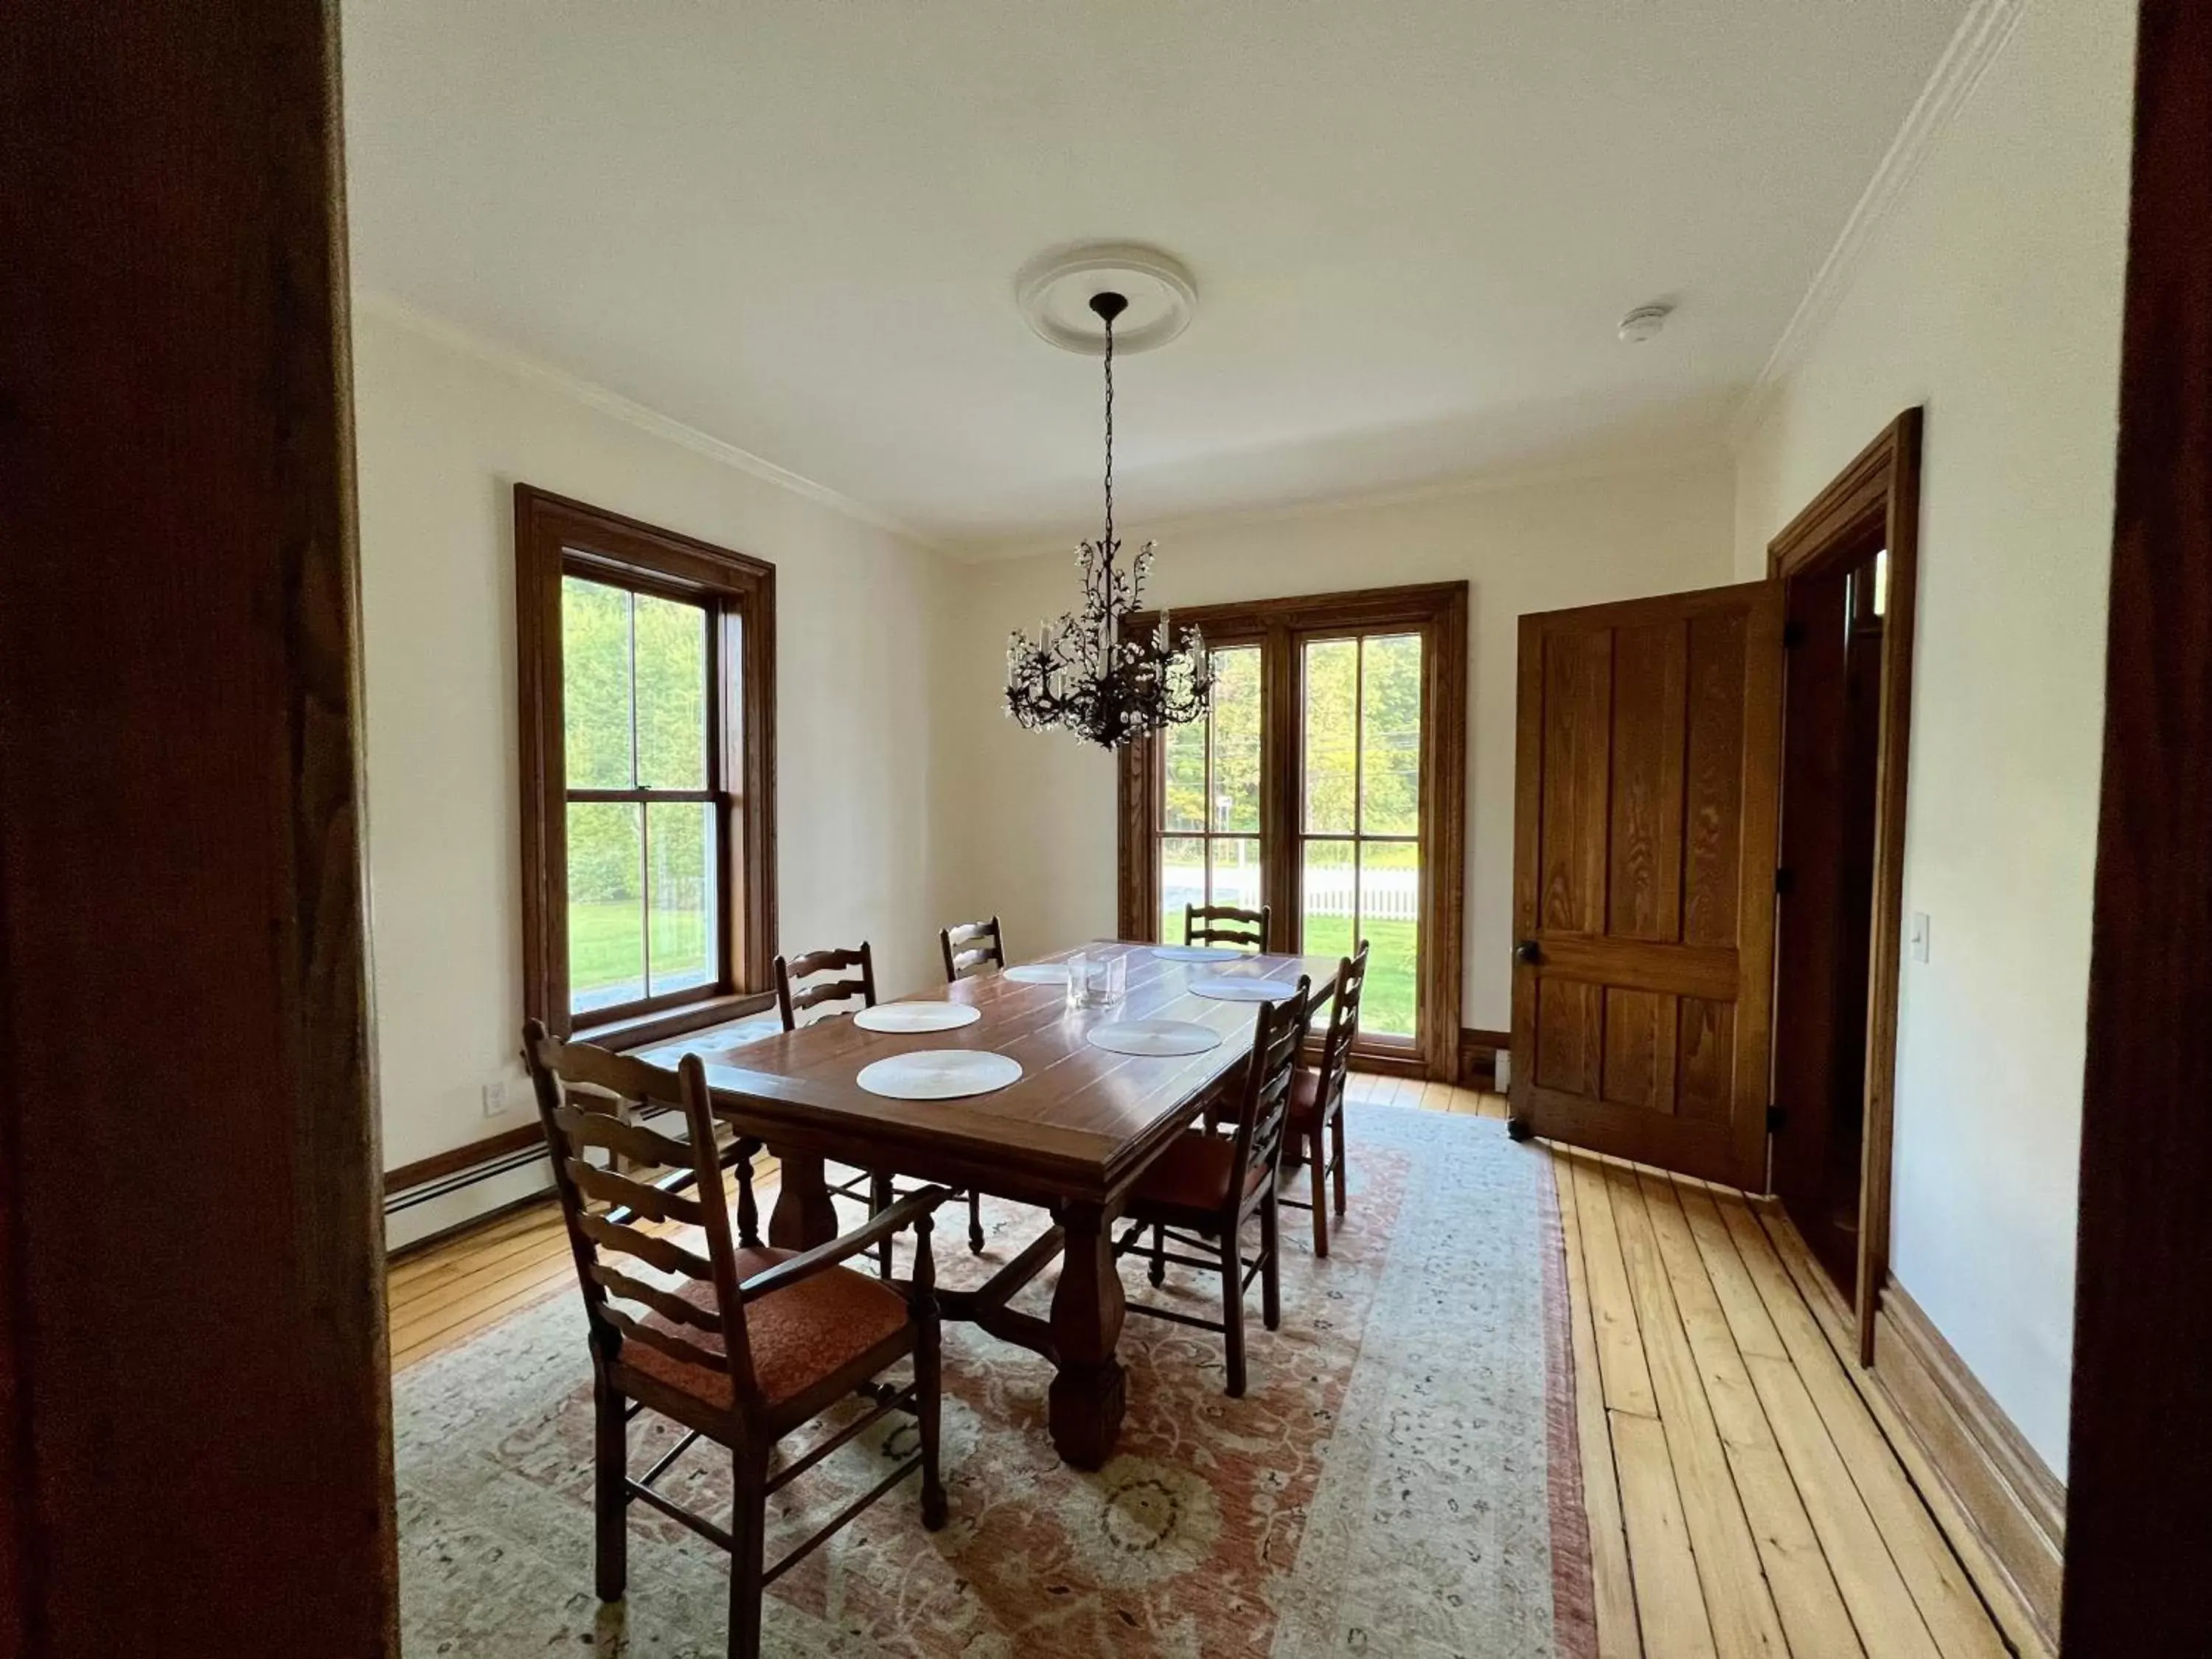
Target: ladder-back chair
{"x": 1317, "y": 1097}
{"x": 971, "y": 947}
{"x": 1225, "y": 924}
{"x": 1202, "y": 1190}
{"x": 741, "y": 1344}
{"x": 800, "y": 988}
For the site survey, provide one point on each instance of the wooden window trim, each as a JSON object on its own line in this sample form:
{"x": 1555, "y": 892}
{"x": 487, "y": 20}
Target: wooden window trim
{"x": 1438, "y": 611}
{"x": 555, "y": 536}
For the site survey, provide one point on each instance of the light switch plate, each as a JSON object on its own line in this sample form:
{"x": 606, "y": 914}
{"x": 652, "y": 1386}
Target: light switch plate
{"x": 1920, "y": 936}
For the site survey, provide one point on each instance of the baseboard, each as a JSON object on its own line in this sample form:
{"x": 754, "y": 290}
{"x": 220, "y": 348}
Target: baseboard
{"x": 2008, "y": 1496}
{"x": 1478, "y": 1056}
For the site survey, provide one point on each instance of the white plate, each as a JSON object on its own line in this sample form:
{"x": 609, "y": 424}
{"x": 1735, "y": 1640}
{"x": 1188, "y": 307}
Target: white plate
{"x": 939, "y": 1074}
{"x": 1152, "y": 1037}
{"x": 1223, "y": 988}
{"x": 1039, "y": 972}
{"x": 918, "y": 1017}
{"x": 1196, "y": 952}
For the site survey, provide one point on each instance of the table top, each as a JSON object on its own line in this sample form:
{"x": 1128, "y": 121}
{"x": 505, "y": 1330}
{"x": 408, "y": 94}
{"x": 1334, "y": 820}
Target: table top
{"x": 1080, "y": 1122}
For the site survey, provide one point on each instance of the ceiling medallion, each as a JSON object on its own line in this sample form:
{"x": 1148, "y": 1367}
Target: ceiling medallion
{"x": 1088, "y": 672}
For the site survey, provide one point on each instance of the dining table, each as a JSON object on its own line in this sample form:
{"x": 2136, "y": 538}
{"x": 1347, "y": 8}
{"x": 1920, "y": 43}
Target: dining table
{"x": 1070, "y": 1134}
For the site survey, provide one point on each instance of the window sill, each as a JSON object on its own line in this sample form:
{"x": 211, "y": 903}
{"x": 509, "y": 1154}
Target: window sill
{"x": 663, "y": 1023}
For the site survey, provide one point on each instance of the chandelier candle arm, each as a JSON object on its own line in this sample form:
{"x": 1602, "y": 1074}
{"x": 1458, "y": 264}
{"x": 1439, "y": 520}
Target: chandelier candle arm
{"x": 1085, "y": 673}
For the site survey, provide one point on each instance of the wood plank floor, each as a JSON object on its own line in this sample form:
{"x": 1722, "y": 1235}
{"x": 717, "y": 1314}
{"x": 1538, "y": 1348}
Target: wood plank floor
{"x": 1743, "y": 1493}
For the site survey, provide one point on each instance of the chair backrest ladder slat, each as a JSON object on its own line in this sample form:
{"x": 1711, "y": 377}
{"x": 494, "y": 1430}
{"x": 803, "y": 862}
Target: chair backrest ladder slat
{"x": 969, "y": 947}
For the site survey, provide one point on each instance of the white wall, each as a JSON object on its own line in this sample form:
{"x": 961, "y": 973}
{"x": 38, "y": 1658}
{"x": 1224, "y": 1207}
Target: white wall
{"x": 1992, "y": 295}
{"x": 443, "y": 436}
{"x": 1039, "y": 832}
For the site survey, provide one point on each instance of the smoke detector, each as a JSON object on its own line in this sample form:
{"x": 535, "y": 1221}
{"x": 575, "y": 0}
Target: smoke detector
{"x": 1644, "y": 322}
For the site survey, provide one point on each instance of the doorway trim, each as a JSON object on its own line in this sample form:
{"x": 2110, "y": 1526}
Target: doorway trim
{"x": 1878, "y": 490}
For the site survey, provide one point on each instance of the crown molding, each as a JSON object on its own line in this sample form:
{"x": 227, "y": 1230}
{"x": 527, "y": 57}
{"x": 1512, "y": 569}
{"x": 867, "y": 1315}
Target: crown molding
{"x": 1981, "y": 35}
{"x": 1674, "y": 458}
{"x": 535, "y": 371}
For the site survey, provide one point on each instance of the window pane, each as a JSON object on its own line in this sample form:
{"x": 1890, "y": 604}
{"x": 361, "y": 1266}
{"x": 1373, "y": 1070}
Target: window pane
{"x": 1332, "y": 669}
{"x": 1183, "y": 802}
{"x": 1182, "y": 881}
{"x": 1389, "y": 915}
{"x": 595, "y": 683}
{"x": 684, "y": 913}
{"x": 1236, "y": 872}
{"x": 672, "y": 694}
{"x": 606, "y": 904}
{"x": 1327, "y": 916}
{"x": 1390, "y": 737}
{"x": 1237, "y": 739}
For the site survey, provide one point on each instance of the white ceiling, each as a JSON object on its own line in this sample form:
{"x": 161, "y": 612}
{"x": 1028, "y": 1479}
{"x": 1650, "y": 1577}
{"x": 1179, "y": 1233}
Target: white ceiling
{"x": 795, "y": 224}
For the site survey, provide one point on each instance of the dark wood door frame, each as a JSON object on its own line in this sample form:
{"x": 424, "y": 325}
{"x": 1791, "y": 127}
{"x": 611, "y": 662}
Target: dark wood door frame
{"x": 1877, "y": 495}
{"x": 195, "y": 1409}
{"x": 2138, "y": 1531}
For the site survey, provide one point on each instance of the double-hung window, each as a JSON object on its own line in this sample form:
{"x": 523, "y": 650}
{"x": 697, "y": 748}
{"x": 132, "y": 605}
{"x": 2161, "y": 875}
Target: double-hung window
{"x": 647, "y": 765}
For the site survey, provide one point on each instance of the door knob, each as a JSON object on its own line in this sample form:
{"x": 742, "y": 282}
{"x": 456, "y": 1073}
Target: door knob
{"x": 1527, "y": 951}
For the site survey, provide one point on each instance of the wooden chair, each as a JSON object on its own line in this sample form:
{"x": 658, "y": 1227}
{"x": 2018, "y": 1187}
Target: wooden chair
{"x": 964, "y": 955}
{"x": 1317, "y": 1097}
{"x": 741, "y": 1346}
{"x": 1225, "y": 924}
{"x": 793, "y": 997}
{"x": 1205, "y": 1187}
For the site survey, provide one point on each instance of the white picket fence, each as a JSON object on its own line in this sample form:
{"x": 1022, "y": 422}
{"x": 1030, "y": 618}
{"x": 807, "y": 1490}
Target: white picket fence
{"x": 1391, "y": 895}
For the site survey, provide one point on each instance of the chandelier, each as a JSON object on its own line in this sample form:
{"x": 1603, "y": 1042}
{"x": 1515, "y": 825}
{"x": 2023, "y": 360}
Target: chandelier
{"x": 1089, "y": 673}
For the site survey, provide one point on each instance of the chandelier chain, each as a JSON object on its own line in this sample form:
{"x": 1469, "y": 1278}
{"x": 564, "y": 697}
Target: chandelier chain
{"x": 1110, "y": 439}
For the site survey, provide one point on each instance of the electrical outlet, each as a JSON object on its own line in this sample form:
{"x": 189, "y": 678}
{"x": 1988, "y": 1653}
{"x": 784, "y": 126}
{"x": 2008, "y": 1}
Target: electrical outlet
{"x": 495, "y": 1098}
{"x": 1920, "y": 936}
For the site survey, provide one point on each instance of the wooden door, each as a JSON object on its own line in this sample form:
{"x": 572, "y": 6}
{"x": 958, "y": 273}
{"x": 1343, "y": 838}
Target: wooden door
{"x": 1643, "y": 877}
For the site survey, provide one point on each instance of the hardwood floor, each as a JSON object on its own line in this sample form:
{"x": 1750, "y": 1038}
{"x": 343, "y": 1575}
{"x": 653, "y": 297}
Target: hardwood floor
{"x": 1744, "y": 1495}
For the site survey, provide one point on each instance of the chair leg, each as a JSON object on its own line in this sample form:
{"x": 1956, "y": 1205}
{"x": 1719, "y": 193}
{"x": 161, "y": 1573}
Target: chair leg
{"x": 1160, "y": 1268}
{"x": 1336, "y": 1128}
{"x": 1271, "y": 1282}
{"x": 929, "y": 1394}
{"x": 748, "y": 1525}
{"x": 879, "y": 1199}
{"x": 975, "y": 1222}
{"x": 610, "y": 1491}
{"x": 1317, "y": 1166}
{"x": 1232, "y": 1312}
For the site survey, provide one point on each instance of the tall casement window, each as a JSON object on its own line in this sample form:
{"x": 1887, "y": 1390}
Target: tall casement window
{"x": 646, "y": 679}
{"x": 1329, "y": 781}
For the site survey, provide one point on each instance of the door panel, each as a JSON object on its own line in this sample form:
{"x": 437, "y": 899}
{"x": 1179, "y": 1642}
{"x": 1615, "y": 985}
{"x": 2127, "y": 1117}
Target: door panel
{"x": 1643, "y": 859}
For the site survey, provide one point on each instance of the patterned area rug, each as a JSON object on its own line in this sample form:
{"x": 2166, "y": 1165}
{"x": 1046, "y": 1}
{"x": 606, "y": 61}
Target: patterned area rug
{"x": 1401, "y": 1478}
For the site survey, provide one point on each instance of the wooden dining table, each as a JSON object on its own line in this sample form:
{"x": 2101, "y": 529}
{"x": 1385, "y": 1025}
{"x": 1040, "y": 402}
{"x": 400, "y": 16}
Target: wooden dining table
{"x": 1071, "y": 1135}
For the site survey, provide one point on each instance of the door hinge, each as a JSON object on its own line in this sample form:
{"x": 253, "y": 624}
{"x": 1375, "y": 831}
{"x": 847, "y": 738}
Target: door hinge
{"x": 1793, "y": 636}
{"x": 1773, "y": 1118}
{"x": 1784, "y": 880}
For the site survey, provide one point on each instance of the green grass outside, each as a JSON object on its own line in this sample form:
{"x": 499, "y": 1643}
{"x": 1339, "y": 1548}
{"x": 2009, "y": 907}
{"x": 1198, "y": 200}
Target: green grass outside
{"x": 606, "y": 953}
{"x": 1386, "y": 1008}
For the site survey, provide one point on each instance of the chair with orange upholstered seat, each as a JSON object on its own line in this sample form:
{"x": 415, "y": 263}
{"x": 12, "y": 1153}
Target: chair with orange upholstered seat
{"x": 739, "y": 1344}
{"x": 1204, "y": 1186}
